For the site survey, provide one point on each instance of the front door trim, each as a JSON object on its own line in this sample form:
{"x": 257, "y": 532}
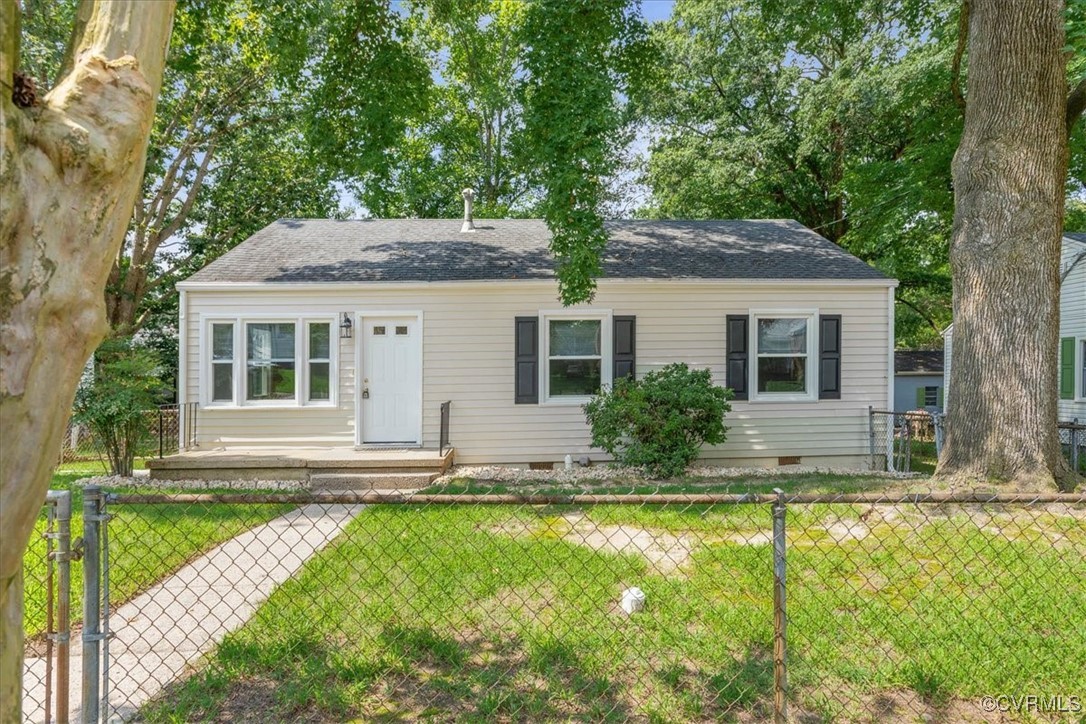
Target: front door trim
{"x": 359, "y": 319}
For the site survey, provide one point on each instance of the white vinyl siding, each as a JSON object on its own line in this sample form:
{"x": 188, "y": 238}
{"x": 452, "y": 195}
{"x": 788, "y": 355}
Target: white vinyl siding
{"x": 468, "y": 356}
{"x": 1073, "y": 324}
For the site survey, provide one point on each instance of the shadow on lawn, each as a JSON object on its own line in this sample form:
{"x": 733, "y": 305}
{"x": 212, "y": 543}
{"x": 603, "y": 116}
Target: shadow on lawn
{"x": 423, "y": 674}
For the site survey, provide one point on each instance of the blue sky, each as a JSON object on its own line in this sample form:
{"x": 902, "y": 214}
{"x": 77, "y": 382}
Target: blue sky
{"x": 657, "y": 9}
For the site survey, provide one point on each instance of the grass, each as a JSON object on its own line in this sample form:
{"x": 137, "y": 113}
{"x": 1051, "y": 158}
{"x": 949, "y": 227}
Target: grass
{"x": 494, "y": 613}
{"x": 146, "y": 543}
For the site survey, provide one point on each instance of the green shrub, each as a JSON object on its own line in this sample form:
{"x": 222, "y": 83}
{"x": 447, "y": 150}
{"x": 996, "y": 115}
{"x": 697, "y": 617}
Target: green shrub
{"x": 661, "y": 421}
{"x": 117, "y": 402}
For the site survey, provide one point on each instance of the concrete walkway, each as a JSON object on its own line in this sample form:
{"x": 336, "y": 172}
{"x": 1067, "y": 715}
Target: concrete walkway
{"x": 168, "y": 627}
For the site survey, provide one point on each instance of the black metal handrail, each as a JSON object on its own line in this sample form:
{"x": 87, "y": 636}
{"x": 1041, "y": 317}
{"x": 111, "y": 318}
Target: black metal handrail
{"x": 443, "y": 440}
{"x": 176, "y": 427}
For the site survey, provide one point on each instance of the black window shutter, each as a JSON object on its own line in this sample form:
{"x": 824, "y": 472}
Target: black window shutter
{"x": 526, "y": 383}
{"x": 829, "y": 357}
{"x": 738, "y": 371}
{"x": 625, "y": 347}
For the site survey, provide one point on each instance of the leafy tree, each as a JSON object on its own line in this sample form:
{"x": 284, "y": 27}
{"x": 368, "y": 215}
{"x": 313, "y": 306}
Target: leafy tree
{"x": 117, "y": 403}
{"x": 661, "y": 421}
{"x": 837, "y": 113}
{"x": 467, "y": 133}
{"x": 581, "y": 59}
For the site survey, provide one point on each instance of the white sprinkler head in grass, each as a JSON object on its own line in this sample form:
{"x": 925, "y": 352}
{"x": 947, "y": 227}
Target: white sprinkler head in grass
{"x": 633, "y": 600}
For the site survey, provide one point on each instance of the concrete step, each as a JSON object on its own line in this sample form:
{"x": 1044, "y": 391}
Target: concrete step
{"x": 371, "y": 481}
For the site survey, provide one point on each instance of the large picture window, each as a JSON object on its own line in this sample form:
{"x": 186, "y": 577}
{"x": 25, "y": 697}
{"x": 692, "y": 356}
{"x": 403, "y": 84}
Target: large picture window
{"x": 783, "y": 349}
{"x": 575, "y": 360}
{"x": 270, "y": 366}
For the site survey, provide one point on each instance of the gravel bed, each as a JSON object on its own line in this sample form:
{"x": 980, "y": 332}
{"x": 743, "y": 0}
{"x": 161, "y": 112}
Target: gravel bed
{"x": 119, "y": 481}
{"x": 607, "y": 473}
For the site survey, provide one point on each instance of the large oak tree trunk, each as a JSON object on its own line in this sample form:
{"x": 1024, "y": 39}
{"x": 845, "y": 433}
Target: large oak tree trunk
{"x": 70, "y": 170}
{"x": 1009, "y": 174}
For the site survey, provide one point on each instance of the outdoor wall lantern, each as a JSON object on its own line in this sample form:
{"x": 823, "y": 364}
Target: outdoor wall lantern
{"x": 345, "y": 327}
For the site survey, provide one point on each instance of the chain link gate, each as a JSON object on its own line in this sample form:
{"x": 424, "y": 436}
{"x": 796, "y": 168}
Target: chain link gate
{"x": 47, "y": 610}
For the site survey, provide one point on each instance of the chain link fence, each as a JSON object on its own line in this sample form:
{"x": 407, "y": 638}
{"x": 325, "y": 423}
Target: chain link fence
{"x": 912, "y": 441}
{"x": 905, "y": 442}
{"x": 164, "y": 430}
{"x": 558, "y": 607}
{"x": 1073, "y": 444}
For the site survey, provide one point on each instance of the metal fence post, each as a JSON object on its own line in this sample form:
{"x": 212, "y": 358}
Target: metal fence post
{"x": 62, "y": 636}
{"x": 92, "y": 498}
{"x": 780, "y": 614}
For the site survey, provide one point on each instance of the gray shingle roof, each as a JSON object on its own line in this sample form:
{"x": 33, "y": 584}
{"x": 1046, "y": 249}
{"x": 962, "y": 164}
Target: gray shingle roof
{"x": 327, "y": 250}
{"x": 1075, "y": 236}
{"x": 918, "y": 360}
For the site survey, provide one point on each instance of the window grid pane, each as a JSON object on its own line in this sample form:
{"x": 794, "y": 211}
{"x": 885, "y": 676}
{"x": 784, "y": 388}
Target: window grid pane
{"x": 575, "y": 337}
{"x": 782, "y": 374}
{"x": 782, "y": 336}
{"x": 222, "y": 342}
{"x": 574, "y": 377}
{"x": 319, "y": 381}
{"x": 222, "y": 381}
{"x": 320, "y": 341}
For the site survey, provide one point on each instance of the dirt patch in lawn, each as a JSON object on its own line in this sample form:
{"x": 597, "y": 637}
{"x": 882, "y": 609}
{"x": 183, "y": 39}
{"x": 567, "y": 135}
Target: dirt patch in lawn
{"x": 252, "y": 701}
{"x": 666, "y": 552}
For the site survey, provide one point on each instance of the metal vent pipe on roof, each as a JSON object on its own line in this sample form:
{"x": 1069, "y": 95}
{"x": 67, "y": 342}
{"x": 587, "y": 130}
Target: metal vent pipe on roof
{"x": 469, "y": 224}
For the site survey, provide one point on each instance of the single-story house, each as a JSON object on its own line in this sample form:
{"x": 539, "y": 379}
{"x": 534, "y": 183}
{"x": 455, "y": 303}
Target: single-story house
{"x": 918, "y": 380}
{"x": 1072, "y": 349}
{"x": 351, "y": 334}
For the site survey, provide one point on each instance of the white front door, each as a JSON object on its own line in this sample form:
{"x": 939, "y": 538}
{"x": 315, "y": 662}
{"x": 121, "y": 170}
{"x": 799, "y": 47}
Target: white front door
{"x": 391, "y": 380}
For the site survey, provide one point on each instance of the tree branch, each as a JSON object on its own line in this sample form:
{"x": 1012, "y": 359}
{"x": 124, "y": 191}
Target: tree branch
{"x": 922, "y": 314}
{"x": 1076, "y": 104}
{"x": 959, "y": 53}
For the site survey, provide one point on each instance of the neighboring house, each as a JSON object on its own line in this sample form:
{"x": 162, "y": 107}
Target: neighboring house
{"x": 326, "y": 333}
{"x": 918, "y": 380}
{"x": 1072, "y": 349}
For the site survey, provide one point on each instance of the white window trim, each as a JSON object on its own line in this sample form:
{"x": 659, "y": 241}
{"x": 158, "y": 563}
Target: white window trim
{"x": 811, "y": 369}
{"x": 606, "y": 352}
{"x": 241, "y": 356}
{"x": 1080, "y": 378}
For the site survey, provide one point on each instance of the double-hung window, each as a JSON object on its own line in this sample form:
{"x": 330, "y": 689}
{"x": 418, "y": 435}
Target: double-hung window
{"x": 784, "y": 347}
{"x": 319, "y": 359}
{"x": 577, "y": 364}
{"x": 222, "y": 362}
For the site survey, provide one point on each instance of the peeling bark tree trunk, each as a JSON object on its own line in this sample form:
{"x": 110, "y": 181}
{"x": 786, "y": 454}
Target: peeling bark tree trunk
{"x": 70, "y": 169}
{"x": 1009, "y": 174}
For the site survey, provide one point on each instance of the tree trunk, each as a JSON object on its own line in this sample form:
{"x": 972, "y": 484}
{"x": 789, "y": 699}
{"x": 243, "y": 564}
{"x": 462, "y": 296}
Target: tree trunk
{"x": 1009, "y": 173}
{"x": 71, "y": 168}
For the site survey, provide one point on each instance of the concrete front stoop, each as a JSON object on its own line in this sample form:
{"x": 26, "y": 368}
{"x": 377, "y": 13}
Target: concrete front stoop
{"x": 326, "y": 469}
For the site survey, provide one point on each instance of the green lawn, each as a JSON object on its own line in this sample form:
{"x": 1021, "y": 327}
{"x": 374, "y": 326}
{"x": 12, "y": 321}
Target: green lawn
{"x": 146, "y": 543}
{"x": 483, "y": 613}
